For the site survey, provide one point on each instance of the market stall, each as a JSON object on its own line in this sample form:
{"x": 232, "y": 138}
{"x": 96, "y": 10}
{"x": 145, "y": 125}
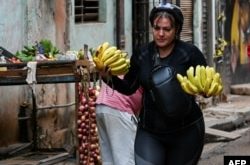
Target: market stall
{"x": 43, "y": 64}
{"x": 80, "y": 72}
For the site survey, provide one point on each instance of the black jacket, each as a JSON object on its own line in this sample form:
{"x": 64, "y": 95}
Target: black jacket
{"x": 181, "y": 58}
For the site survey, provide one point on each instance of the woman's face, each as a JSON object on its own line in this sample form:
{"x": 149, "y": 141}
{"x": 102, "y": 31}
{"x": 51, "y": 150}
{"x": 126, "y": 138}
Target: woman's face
{"x": 163, "y": 32}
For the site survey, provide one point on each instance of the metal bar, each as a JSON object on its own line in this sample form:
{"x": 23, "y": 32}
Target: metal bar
{"x": 34, "y": 122}
{"x": 40, "y": 63}
{"x": 120, "y": 33}
{"x": 54, "y": 159}
{"x": 23, "y": 147}
{"x": 56, "y": 106}
{"x": 4, "y": 81}
{"x": 140, "y": 25}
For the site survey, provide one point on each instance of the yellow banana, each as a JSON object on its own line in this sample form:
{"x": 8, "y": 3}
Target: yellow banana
{"x": 112, "y": 59}
{"x": 207, "y": 84}
{"x": 198, "y": 79}
{"x": 209, "y": 72}
{"x": 101, "y": 48}
{"x": 198, "y": 84}
{"x": 127, "y": 61}
{"x": 179, "y": 77}
{"x": 219, "y": 90}
{"x": 184, "y": 86}
{"x": 118, "y": 51}
{"x": 216, "y": 78}
{"x": 96, "y": 54}
{"x": 119, "y": 62}
{"x": 104, "y": 47}
{"x": 98, "y": 47}
{"x": 212, "y": 89}
{"x": 192, "y": 87}
{"x": 186, "y": 83}
{"x": 99, "y": 64}
{"x": 198, "y": 70}
{"x": 190, "y": 74}
{"x": 124, "y": 54}
{"x": 119, "y": 68}
{"x": 120, "y": 72}
{"x": 203, "y": 76}
{"x": 108, "y": 52}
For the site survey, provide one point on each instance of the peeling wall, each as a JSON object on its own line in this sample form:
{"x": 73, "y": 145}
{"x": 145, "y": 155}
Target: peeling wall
{"x": 51, "y": 19}
{"x": 94, "y": 34}
{"x": 11, "y": 98}
{"x": 12, "y": 37}
{"x": 12, "y": 24}
{"x": 33, "y": 21}
{"x": 40, "y": 20}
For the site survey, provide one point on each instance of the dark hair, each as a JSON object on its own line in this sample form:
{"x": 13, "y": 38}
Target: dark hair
{"x": 163, "y": 14}
{"x": 173, "y": 10}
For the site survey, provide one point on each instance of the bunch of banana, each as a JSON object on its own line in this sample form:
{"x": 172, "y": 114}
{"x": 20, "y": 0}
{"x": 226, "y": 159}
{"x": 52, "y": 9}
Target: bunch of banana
{"x": 201, "y": 80}
{"x": 107, "y": 57}
{"x": 220, "y": 47}
{"x": 28, "y": 53}
{"x": 44, "y": 46}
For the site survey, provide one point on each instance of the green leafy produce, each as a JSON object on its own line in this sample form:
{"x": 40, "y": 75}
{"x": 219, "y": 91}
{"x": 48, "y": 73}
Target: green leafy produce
{"x": 28, "y": 53}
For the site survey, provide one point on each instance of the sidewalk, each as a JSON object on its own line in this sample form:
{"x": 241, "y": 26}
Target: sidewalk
{"x": 233, "y": 113}
{"x": 230, "y": 120}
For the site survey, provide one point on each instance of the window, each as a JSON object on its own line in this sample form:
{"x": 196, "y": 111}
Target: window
{"x": 87, "y": 11}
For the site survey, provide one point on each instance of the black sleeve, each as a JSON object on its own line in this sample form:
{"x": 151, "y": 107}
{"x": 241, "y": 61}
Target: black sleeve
{"x": 130, "y": 83}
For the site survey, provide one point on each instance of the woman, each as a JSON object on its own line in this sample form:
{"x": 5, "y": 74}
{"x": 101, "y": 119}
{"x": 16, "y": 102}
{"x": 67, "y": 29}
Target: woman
{"x": 163, "y": 139}
{"x": 116, "y": 121}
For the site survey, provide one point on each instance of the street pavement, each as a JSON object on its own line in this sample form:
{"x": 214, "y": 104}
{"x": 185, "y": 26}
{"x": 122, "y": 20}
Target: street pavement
{"x": 227, "y": 116}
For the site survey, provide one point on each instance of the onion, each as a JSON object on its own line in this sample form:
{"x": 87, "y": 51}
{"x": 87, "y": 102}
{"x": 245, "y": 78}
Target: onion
{"x": 83, "y": 100}
{"x": 86, "y": 127}
{"x": 81, "y": 108}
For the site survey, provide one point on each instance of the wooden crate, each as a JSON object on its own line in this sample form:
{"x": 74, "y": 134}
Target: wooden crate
{"x": 46, "y": 72}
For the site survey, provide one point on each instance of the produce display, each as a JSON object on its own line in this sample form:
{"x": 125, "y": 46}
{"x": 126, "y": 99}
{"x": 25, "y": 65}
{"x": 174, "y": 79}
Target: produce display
{"x": 88, "y": 143}
{"x": 107, "y": 57}
{"x": 7, "y": 57}
{"x": 42, "y": 50}
{"x": 201, "y": 80}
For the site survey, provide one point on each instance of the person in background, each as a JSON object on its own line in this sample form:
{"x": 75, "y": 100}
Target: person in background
{"x": 162, "y": 139}
{"x": 116, "y": 116}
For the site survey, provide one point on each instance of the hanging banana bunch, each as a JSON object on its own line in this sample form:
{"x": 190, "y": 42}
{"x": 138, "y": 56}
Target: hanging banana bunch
{"x": 201, "y": 80}
{"x": 221, "y": 17}
{"x": 220, "y": 47}
{"x": 108, "y": 57}
{"x": 220, "y": 43}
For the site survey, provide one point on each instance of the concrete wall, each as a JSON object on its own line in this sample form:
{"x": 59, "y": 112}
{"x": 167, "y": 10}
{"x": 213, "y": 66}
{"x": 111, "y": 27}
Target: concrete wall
{"x": 23, "y": 23}
{"x": 12, "y": 37}
{"x": 32, "y": 21}
{"x": 94, "y": 34}
{"x": 12, "y": 24}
